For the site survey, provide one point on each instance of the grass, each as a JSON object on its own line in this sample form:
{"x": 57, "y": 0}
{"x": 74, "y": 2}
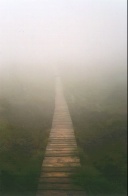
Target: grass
{"x": 21, "y": 159}
{"x": 99, "y": 118}
{"x": 25, "y": 122}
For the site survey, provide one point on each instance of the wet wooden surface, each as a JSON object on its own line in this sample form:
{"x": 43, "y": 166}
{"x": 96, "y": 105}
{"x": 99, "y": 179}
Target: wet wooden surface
{"x": 61, "y": 157}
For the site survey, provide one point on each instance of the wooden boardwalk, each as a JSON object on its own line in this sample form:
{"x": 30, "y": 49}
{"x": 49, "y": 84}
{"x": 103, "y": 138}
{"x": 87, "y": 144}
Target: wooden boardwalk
{"x": 61, "y": 157}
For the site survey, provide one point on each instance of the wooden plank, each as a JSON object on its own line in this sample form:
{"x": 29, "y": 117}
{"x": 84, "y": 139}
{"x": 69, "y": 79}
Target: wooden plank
{"x": 56, "y": 174}
{"x": 62, "y": 149}
{"x": 55, "y": 180}
{"x": 68, "y": 139}
{"x": 54, "y": 169}
{"x": 59, "y": 155}
{"x": 63, "y": 143}
{"x": 58, "y": 186}
{"x": 63, "y": 160}
{"x": 66, "y": 164}
{"x": 61, "y": 193}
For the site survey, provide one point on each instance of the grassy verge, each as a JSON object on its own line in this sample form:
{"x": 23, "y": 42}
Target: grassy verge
{"x": 100, "y": 126}
{"x": 25, "y": 122}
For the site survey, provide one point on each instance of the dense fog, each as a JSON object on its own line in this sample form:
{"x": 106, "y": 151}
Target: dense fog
{"x": 38, "y": 36}
{"x": 84, "y": 42}
{"x": 48, "y": 33}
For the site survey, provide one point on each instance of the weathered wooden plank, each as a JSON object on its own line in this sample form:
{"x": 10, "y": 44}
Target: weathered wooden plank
{"x": 55, "y": 180}
{"x": 62, "y": 143}
{"x": 60, "y": 138}
{"x": 66, "y": 164}
{"x": 59, "y": 155}
{"x": 56, "y": 174}
{"x": 54, "y": 169}
{"x": 66, "y": 142}
{"x": 64, "y": 133}
{"x": 62, "y": 149}
{"x": 68, "y": 139}
{"x": 61, "y": 193}
{"x": 72, "y": 141}
{"x": 65, "y": 159}
{"x": 58, "y": 186}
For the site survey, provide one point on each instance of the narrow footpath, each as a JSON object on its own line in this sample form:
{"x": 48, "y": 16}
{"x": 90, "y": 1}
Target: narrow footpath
{"x": 61, "y": 156}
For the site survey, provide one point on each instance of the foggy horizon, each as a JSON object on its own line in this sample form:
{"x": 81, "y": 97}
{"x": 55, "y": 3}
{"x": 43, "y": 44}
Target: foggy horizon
{"x": 54, "y": 32}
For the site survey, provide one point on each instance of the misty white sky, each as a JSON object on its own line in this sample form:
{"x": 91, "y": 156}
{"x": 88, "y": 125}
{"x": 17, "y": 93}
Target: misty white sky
{"x": 57, "y": 31}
